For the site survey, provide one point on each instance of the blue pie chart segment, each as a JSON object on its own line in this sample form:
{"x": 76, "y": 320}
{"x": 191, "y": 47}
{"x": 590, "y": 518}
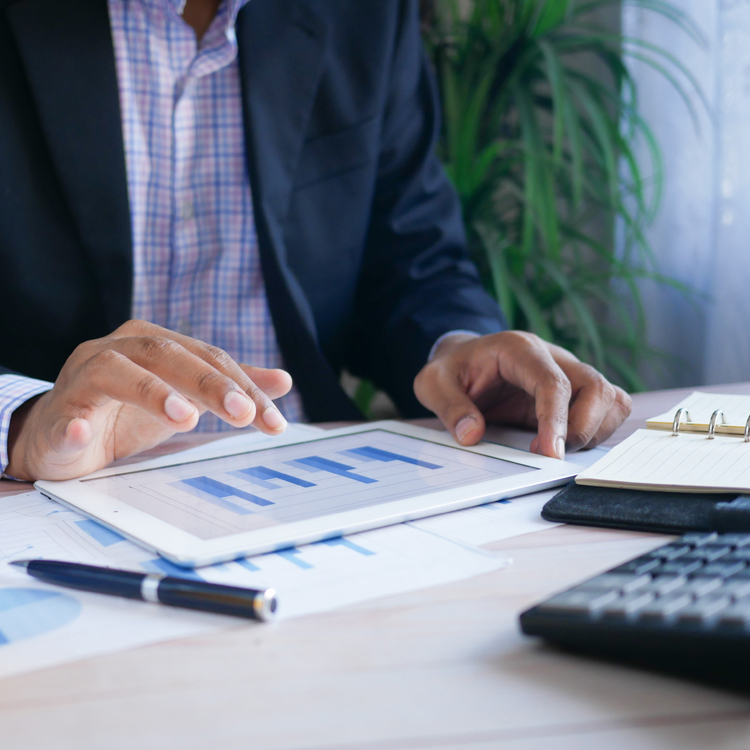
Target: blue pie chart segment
{"x": 26, "y": 613}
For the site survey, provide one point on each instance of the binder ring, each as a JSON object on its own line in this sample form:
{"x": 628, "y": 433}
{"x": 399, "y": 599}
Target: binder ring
{"x": 678, "y": 417}
{"x": 747, "y": 430}
{"x": 712, "y": 423}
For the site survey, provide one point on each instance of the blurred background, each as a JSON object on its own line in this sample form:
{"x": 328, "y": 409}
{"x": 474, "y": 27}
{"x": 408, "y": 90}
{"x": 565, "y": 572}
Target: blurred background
{"x": 701, "y": 231}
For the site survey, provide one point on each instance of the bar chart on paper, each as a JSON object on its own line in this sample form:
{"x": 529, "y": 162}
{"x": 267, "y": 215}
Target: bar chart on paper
{"x": 266, "y": 487}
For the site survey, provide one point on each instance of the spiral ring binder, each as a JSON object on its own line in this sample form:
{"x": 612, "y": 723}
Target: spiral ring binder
{"x": 712, "y": 423}
{"x": 678, "y": 418}
{"x": 681, "y": 451}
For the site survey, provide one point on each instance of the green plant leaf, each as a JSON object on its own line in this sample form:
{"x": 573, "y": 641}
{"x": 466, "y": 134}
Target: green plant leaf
{"x": 542, "y": 151}
{"x": 501, "y": 276}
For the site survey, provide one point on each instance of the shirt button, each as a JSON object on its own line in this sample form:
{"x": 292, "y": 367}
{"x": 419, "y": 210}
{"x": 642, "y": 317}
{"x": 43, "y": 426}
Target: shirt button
{"x": 187, "y": 211}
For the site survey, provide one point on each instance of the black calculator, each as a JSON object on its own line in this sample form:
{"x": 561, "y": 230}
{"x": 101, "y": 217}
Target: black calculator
{"x": 683, "y": 607}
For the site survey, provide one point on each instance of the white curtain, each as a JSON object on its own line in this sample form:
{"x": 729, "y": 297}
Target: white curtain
{"x": 702, "y": 234}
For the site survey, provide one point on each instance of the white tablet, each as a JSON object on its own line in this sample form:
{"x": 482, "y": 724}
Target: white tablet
{"x": 296, "y": 490}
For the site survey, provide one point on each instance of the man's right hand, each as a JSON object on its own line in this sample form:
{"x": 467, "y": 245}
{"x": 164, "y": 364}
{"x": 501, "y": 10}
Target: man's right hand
{"x": 131, "y": 390}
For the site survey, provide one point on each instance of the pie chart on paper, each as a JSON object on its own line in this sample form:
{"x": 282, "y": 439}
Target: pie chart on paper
{"x": 26, "y": 613}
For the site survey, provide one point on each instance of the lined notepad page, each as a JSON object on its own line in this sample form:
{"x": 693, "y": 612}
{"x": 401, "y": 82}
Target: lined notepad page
{"x": 701, "y": 406}
{"x": 651, "y": 459}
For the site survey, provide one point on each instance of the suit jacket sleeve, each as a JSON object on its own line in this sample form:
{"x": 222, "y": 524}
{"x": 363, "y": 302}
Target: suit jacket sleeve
{"x": 417, "y": 282}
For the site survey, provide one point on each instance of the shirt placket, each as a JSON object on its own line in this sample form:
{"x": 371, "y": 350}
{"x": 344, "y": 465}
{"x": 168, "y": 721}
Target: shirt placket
{"x": 198, "y": 62}
{"x": 196, "y": 266}
{"x": 184, "y": 245}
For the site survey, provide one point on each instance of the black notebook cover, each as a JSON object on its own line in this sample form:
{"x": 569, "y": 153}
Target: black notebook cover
{"x": 646, "y": 510}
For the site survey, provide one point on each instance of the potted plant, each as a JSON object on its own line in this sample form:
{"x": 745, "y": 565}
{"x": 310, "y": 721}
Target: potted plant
{"x": 540, "y": 135}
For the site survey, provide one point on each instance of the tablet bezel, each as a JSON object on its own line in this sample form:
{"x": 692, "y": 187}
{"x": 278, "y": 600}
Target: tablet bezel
{"x": 187, "y": 550}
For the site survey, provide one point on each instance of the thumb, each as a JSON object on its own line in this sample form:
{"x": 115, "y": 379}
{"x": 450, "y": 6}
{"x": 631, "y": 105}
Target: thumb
{"x": 70, "y": 436}
{"x": 444, "y": 395}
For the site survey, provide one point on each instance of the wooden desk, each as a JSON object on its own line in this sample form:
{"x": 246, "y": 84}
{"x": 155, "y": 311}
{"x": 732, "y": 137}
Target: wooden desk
{"x": 442, "y": 668}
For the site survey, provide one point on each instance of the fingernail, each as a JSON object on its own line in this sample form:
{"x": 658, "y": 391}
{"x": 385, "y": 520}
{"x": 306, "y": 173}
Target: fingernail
{"x": 177, "y": 408}
{"x": 464, "y": 427}
{"x": 237, "y": 404}
{"x": 560, "y": 448}
{"x": 273, "y": 419}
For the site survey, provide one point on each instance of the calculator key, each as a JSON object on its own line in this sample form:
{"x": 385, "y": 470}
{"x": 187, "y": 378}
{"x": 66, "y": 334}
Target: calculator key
{"x": 736, "y": 614}
{"x": 665, "y": 606}
{"x": 678, "y": 567}
{"x": 734, "y": 540}
{"x": 621, "y": 582}
{"x": 661, "y": 585}
{"x": 696, "y": 539}
{"x": 670, "y": 551}
{"x": 704, "y": 608}
{"x": 638, "y": 566}
{"x": 628, "y": 604}
{"x": 743, "y": 553}
{"x": 702, "y": 586}
{"x": 708, "y": 553}
{"x": 578, "y": 602}
{"x": 720, "y": 569}
{"x": 743, "y": 574}
{"x": 737, "y": 588}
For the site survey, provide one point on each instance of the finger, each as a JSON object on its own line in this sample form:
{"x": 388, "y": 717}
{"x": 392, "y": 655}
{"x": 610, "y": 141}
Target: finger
{"x": 542, "y": 378}
{"x": 273, "y": 382}
{"x": 202, "y": 382}
{"x": 619, "y": 412}
{"x": 438, "y": 388}
{"x": 268, "y": 418}
{"x": 593, "y": 401}
{"x": 111, "y": 376}
{"x": 265, "y": 416}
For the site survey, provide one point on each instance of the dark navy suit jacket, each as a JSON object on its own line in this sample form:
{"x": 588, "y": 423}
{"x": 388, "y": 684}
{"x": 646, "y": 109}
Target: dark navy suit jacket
{"x": 360, "y": 232}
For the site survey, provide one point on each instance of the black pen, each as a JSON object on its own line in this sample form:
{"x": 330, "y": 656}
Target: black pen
{"x": 258, "y": 604}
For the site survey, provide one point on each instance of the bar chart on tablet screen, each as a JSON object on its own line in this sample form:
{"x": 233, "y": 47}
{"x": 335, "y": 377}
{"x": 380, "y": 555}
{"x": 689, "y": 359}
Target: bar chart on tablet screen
{"x": 271, "y": 486}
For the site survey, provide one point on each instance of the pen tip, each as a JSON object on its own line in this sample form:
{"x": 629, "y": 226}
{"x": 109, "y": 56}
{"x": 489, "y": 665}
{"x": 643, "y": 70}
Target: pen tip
{"x": 21, "y": 563}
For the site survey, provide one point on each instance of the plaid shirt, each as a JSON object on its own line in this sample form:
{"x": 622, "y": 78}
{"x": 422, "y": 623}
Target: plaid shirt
{"x": 196, "y": 265}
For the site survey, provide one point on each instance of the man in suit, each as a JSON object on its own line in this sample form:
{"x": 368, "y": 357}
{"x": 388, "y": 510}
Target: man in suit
{"x": 197, "y": 193}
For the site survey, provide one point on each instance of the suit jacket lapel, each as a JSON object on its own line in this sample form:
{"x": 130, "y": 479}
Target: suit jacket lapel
{"x": 281, "y": 60}
{"x": 282, "y": 57}
{"x": 66, "y": 46}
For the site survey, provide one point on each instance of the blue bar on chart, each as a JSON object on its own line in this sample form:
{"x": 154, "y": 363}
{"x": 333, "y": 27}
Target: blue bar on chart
{"x": 245, "y": 563}
{"x": 208, "y": 497}
{"x": 316, "y": 463}
{"x": 291, "y": 555}
{"x": 341, "y": 541}
{"x": 261, "y": 475}
{"x": 218, "y": 492}
{"x": 254, "y": 480}
{"x": 160, "y": 565}
{"x": 106, "y": 537}
{"x": 376, "y": 454}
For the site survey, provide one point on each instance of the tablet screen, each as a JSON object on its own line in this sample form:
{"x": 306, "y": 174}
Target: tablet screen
{"x": 249, "y": 491}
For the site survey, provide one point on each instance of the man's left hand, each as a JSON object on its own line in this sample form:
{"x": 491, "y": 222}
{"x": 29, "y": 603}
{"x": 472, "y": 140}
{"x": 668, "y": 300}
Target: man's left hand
{"x": 516, "y": 378}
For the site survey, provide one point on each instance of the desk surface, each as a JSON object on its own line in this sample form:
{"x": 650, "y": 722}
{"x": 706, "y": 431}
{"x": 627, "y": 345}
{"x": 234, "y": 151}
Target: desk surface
{"x": 443, "y": 668}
